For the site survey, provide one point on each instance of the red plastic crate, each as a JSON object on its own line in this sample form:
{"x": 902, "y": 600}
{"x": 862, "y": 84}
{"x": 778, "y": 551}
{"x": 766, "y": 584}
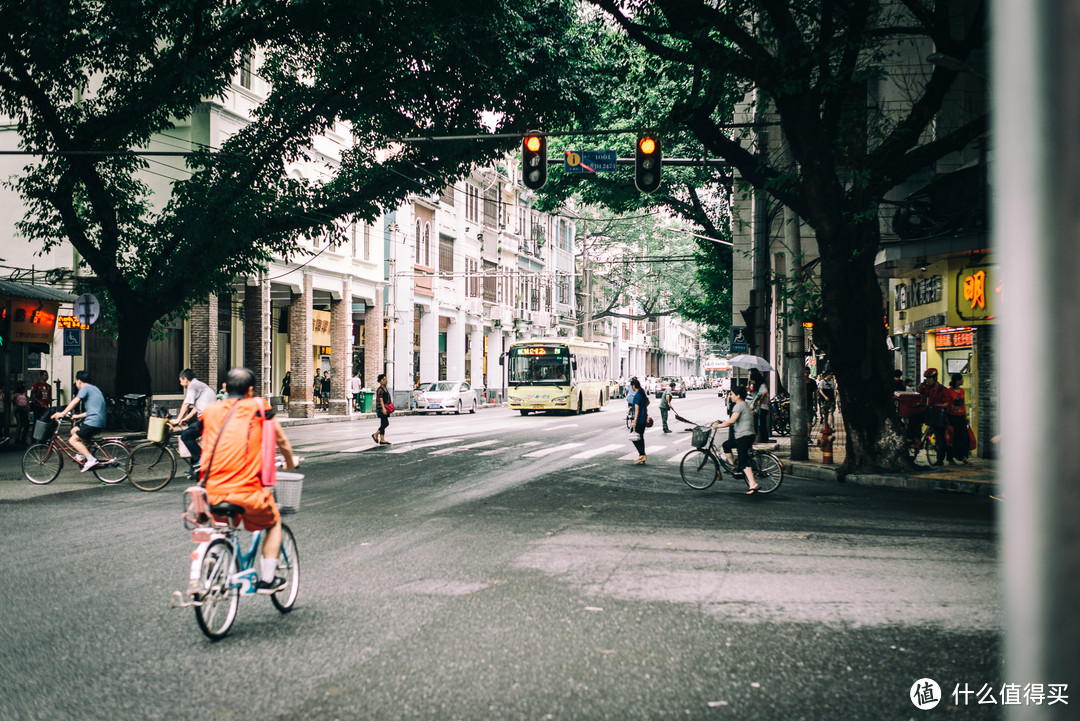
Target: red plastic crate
{"x": 908, "y": 403}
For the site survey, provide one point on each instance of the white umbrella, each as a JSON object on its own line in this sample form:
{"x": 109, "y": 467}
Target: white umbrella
{"x": 751, "y": 362}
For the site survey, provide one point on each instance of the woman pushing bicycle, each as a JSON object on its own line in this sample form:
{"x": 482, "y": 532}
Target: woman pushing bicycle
{"x": 232, "y": 462}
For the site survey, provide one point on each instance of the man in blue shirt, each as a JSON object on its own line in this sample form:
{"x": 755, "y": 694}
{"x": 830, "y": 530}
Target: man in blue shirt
{"x": 93, "y": 418}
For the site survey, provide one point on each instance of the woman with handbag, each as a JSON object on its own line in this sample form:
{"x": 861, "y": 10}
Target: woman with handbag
{"x": 383, "y": 408}
{"x": 640, "y": 403}
{"x": 956, "y": 415}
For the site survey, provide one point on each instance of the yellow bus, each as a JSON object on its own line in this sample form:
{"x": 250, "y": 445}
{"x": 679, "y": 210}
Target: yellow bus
{"x": 557, "y": 374}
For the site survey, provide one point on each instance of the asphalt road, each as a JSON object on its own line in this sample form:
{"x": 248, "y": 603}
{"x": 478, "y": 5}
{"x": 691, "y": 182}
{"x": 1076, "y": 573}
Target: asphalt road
{"x": 493, "y": 566}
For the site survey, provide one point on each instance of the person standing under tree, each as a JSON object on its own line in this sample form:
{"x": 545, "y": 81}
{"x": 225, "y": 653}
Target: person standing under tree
{"x": 383, "y": 408}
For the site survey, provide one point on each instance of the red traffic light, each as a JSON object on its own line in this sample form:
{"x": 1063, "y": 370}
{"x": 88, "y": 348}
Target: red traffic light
{"x": 533, "y": 143}
{"x": 648, "y": 163}
{"x": 647, "y": 145}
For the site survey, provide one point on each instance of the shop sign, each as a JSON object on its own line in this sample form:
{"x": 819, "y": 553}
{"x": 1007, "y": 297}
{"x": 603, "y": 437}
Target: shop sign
{"x": 320, "y": 327}
{"x": 953, "y": 339}
{"x": 976, "y": 296}
{"x": 33, "y": 321}
{"x": 70, "y": 321}
{"x": 918, "y": 292}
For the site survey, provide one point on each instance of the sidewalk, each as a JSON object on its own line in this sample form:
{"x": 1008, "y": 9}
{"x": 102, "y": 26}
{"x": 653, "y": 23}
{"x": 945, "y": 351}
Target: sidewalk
{"x": 979, "y": 477}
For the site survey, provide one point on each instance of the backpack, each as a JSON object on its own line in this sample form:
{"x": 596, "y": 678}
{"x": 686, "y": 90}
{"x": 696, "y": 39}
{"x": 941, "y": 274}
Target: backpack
{"x": 21, "y": 400}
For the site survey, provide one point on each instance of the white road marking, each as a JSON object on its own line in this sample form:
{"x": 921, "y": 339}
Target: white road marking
{"x": 598, "y": 451}
{"x": 424, "y": 444}
{"x": 554, "y": 449}
{"x": 446, "y": 451}
{"x": 510, "y": 448}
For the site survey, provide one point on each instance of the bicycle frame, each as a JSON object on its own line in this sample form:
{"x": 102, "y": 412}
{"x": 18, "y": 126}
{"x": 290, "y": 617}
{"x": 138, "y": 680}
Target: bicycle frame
{"x": 61, "y": 445}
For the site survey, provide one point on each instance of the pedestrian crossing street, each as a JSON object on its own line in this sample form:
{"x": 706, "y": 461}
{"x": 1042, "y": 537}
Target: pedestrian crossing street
{"x": 669, "y": 448}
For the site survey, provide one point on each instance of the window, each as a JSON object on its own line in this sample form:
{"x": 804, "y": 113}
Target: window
{"x": 446, "y": 197}
{"x": 491, "y": 208}
{"x": 472, "y": 268}
{"x": 564, "y": 288}
{"x": 446, "y": 256}
{"x": 245, "y": 69}
{"x": 534, "y": 299}
{"x": 367, "y": 241}
{"x": 472, "y": 203}
{"x": 490, "y": 281}
{"x": 423, "y": 243}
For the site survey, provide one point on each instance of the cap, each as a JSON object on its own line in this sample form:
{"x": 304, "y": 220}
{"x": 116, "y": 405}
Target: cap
{"x": 929, "y": 372}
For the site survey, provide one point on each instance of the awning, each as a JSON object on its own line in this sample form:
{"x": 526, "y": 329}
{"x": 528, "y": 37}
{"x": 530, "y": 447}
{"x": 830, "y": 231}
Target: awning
{"x": 17, "y": 289}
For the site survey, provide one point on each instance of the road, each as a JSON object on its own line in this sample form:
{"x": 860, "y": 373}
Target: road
{"x": 493, "y": 566}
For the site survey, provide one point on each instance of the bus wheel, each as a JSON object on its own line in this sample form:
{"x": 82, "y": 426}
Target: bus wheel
{"x": 580, "y": 405}
{"x": 523, "y": 412}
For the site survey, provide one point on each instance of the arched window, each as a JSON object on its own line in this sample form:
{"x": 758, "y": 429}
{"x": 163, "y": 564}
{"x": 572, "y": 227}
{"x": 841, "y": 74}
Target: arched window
{"x": 419, "y": 237}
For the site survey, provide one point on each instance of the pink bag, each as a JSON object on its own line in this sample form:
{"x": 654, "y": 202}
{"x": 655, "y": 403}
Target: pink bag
{"x": 268, "y": 474}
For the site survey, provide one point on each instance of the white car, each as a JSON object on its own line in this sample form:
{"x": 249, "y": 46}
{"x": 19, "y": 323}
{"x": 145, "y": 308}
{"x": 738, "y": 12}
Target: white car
{"x": 447, "y": 397}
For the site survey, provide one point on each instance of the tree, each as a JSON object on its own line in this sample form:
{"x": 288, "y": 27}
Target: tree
{"x": 636, "y": 91}
{"x": 809, "y": 64}
{"x": 87, "y": 81}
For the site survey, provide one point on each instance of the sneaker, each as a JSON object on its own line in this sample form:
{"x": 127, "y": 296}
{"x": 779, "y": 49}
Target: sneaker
{"x": 269, "y": 587}
{"x": 80, "y": 458}
{"x": 90, "y": 463}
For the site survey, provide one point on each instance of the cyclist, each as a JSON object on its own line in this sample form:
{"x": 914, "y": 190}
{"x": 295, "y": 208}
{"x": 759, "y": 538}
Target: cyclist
{"x": 232, "y": 461}
{"x": 93, "y": 418}
{"x": 742, "y": 418}
{"x": 198, "y": 396}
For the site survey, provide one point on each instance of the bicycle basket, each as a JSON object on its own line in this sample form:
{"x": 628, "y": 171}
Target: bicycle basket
{"x": 287, "y": 491}
{"x": 44, "y": 430}
{"x": 700, "y": 437}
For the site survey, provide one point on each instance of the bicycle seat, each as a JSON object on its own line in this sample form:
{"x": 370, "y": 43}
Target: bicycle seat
{"x": 226, "y": 509}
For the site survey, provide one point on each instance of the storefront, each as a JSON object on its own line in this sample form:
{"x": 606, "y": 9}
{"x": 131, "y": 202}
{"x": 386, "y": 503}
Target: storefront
{"x": 942, "y": 317}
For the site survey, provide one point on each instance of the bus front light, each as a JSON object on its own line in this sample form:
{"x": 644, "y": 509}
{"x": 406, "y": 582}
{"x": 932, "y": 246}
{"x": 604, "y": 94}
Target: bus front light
{"x": 561, "y": 400}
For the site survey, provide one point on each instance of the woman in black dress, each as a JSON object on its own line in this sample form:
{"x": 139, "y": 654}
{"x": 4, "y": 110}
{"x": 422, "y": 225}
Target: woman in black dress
{"x": 383, "y": 409}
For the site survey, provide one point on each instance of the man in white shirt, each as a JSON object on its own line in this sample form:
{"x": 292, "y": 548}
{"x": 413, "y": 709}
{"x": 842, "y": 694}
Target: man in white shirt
{"x": 198, "y": 396}
{"x": 352, "y": 388}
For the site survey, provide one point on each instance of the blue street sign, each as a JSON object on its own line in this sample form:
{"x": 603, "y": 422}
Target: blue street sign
{"x": 589, "y": 161}
{"x": 72, "y": 341}
{"x": 739, "y": 343}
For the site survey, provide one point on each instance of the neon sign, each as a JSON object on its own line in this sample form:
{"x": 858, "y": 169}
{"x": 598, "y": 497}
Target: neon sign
{"x": 536, "y": 350}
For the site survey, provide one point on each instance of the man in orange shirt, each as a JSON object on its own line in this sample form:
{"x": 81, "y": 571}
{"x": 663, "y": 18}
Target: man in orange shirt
{"x": 232, "y": 462}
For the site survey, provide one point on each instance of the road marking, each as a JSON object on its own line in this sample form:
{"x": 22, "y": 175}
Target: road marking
{"x": 446, "y": 451}
{"x": 509, "y": 448}
{"x": 562, "y": 427}
{"x": 633, "y": 456}
{"x": 424, "y": 444}
{"x": 597, "y": 451}
{"x": 554, "y": 449}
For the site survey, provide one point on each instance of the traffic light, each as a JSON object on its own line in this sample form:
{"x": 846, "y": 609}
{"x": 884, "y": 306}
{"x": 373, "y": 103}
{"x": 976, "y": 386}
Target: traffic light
{"x": 5, "y": 323}
{"x": 647, "y": 161}
{"x": 534, "y": 161}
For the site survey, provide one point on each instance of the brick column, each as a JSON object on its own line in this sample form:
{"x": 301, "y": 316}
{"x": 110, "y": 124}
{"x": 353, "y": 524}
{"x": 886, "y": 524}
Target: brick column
{"x": 204, "y": 341}
{"x": 341, "y": 350}
{"x": 257, "y": 334}
{"x": 300, "y": 359}
{"x": 373, "y": 341}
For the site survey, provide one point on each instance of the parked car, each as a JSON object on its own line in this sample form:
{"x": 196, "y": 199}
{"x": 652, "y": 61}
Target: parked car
{"x": 447, "y": 397}
{"x": 677, "y": 385}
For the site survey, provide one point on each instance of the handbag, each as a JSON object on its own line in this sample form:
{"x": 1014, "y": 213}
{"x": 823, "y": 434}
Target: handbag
{"x": 648, "y": 422}
{"x": 268, "y": 471}
{"x": 389, "y": 407}
{"x": 971, "y": 439}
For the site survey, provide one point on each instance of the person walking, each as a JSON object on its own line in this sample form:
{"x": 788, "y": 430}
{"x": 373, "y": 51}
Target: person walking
{"x": 956, "y": 415}
{"x": 353, "y": 389}
{"x": 384, "y": 406}
{"x": 640, "y": 403}
{"x": 665, "y": 405}
{"x": 316, "y": 391}
{"x": 286, "y": 388}
{"x": 760, "y": 405}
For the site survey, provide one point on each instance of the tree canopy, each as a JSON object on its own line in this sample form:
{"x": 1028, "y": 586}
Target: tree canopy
{"x": 87, "y": 82}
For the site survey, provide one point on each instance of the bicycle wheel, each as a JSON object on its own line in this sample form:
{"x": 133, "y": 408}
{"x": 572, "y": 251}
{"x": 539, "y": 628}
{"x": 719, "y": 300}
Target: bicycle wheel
{"x": 768, "y": 472}
{"x": 218, "y": 598}
{"x": 629, "y": 420}
{"x": 151, "y": 466}
{"x": 931, "y": 448}
{"x": 699, "y": 469}
{"x": 42, "y": 463}
{"x": 288, "y": 567}
{"x": 113, "y": 467}
{"x": 132, "y": 421}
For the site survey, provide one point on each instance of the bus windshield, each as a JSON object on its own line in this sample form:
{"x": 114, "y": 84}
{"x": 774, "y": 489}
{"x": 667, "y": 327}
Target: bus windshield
{"x": 539, "y": 365}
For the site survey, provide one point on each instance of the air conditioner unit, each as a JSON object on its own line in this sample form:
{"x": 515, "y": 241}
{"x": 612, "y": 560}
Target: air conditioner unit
{"x": 474, "y": 306}
{"x": 519, "y": 314}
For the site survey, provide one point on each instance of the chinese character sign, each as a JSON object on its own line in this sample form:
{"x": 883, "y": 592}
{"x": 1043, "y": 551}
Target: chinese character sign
{"x": 975, "y": 289}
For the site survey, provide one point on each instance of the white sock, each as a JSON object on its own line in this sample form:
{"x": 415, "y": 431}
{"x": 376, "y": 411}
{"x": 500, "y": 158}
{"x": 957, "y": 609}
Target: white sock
{"x": 269, "y": 566}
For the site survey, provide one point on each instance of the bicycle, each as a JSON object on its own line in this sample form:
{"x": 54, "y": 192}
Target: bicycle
{"x": 701, "y": 465}
{"x": 927, "y": 442}
{"x": 630, "y": 418}
{"x": 152, "y": 464}
{"x": 43, "y": 461}
{"x": 222, "y": 571}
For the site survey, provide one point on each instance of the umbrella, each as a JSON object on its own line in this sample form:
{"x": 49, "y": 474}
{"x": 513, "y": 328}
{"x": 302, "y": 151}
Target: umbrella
{"x": 751, "y": 362}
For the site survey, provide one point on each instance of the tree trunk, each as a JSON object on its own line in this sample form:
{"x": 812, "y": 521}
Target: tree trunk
{"x": 133, "y": 338}
{"x": 854, "y": 337}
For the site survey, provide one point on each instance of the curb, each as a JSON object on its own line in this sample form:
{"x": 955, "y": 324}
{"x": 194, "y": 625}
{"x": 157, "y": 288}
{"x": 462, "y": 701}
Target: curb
{"x": 887, "y": 480}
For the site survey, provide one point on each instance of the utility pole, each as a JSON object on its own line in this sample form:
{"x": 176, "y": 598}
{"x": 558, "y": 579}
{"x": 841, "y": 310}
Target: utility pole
{"x": 794, "y": 360}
